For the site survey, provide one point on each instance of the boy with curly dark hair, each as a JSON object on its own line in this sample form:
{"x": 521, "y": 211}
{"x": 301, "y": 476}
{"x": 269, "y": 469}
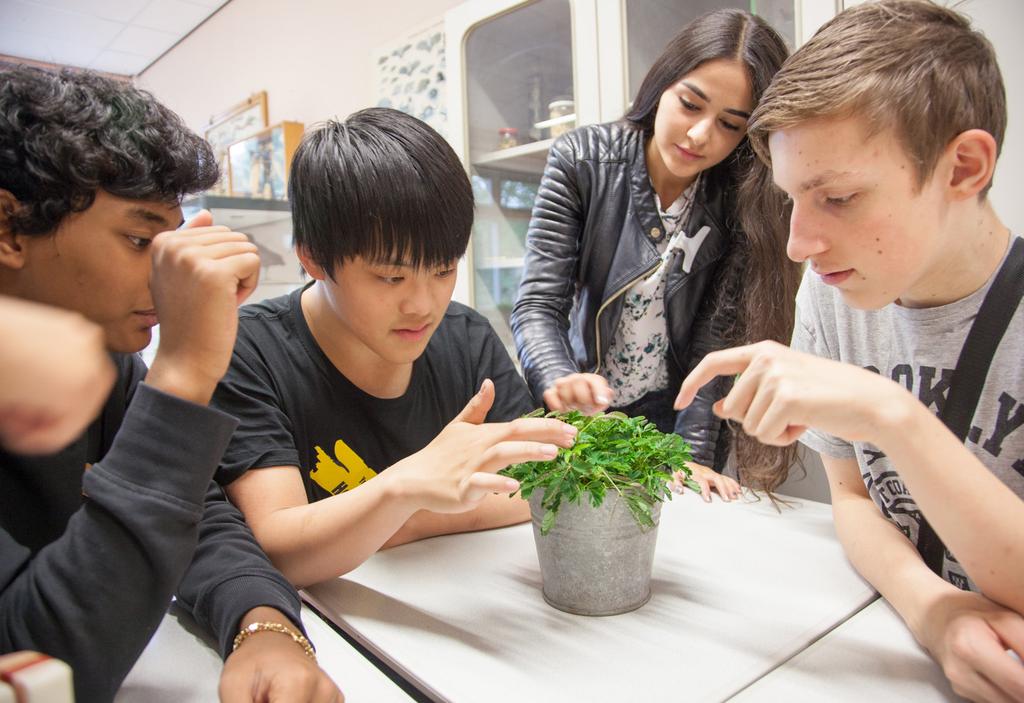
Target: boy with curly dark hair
{"x": 92, "y": 172}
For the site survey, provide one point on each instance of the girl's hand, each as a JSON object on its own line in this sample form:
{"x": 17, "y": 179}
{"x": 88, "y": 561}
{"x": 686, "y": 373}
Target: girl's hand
{"x": 587, "y": 392}
{"x": 709, "y": 480}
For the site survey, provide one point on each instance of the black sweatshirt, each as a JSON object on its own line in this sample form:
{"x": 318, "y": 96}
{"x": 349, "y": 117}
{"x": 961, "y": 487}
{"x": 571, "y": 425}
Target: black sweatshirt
{"x": 88, "y": 563}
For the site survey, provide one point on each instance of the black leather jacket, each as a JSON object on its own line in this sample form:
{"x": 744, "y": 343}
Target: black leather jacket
{"x": 590, "y": 238}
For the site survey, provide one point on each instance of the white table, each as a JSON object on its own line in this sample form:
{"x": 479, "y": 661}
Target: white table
{"x": 738, "y": 589}
{"x": 181, "y": 665}
{"x": 872, "y": 656}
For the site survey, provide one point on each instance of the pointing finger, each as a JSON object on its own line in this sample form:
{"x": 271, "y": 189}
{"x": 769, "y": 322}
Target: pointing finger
{"x": 727, "y": 362}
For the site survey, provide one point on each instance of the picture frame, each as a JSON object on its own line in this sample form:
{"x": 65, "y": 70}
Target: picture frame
{"x": 230, "y": 126}
{"x": 259, "y": 164}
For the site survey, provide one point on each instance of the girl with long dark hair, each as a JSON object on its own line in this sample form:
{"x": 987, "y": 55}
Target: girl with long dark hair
{"x": 659, "y": 238}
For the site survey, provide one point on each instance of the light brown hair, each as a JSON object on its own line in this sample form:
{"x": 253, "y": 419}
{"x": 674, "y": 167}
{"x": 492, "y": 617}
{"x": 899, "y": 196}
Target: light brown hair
{"x": 908, "y": 65}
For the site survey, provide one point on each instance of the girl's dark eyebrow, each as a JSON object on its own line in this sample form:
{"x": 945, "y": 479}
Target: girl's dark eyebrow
{"x": 700, "y": 94}
{"x": 696, "y": 91}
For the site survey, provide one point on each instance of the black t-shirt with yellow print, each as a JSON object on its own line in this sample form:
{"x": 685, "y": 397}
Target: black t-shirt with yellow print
{"x": 297, "y": 409}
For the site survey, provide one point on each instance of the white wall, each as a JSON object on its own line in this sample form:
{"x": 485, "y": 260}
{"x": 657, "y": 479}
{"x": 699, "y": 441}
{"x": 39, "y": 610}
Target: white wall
{"x": 313, "y": 57}
{"x": 1001, "y": 21}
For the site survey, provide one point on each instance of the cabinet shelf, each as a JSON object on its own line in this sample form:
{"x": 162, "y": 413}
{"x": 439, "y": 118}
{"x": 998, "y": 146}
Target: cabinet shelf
{"x": 238, "y": 212}
{"x": 525, "y": 158}
{"x": 500, "y": 262}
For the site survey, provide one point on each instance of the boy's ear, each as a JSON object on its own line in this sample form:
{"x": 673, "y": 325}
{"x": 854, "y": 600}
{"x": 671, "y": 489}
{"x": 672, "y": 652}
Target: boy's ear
{"x": 973, "y": 157}
{"x": 12, "y": 253}
{"x": 313, "y": 269}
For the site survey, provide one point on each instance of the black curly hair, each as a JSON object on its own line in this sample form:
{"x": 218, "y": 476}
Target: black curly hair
{"x": 64, "y": 136}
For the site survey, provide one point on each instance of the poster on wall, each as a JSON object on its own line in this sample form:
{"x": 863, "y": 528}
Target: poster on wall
{"x": 410, "y": 76}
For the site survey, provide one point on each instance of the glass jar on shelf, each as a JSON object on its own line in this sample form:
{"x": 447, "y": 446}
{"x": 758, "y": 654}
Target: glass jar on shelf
{"x": 508, "y": 137}
{"x": 561, "y": 116}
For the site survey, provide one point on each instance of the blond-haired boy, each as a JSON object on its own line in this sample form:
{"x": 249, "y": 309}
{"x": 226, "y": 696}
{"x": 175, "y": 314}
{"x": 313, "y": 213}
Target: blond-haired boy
{"x": 884, "y": 129}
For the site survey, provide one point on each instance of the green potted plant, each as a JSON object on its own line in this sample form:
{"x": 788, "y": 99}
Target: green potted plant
{"x": 595, "y": 510}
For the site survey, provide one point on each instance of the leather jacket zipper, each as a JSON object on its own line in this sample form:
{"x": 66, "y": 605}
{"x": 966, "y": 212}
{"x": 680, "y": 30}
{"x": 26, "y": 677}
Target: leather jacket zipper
{"x": 597, "y": 317}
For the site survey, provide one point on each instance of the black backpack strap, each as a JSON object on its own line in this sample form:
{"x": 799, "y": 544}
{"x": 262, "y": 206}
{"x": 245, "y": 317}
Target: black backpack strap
{"x": 968, "y": 381}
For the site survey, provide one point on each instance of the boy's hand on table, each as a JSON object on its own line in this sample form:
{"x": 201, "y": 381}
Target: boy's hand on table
{"x": 270, "y": 667}
{"x": 969, "y": 636}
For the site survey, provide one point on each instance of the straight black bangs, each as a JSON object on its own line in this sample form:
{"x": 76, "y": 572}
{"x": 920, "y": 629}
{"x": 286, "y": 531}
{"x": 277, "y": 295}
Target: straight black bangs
{"x": 382, "y": 186}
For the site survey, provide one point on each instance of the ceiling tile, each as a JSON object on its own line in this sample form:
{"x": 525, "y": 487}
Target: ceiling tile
{"x": 12, "y": 13}
{"x": 119, "y": 62}
{"x": 117, "y": 10}
{"x": 24, "y": 45}
{"x": 75, "y": 32}
{"x": 143, "y": 42}
{"x": 171, "y": 16}
{"x": 211, "y": 4}
{"x": 58, "y": 24}
{"x": 72, "y": 53}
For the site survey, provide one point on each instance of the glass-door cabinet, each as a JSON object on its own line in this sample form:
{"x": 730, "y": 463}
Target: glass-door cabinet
{"x": 514, "y": 74}
{"x": 520, "y": 73}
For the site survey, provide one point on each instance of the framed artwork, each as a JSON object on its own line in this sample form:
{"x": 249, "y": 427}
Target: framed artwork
{"x": 259, "y": 164}
{"x": 410, "y": 76}
{"x": 234, "y": 124}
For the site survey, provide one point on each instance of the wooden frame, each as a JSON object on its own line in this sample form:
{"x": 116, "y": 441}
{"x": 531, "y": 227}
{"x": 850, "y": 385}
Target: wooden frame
{"x": 259, "y": 164}
{"x": 234, "y": 124}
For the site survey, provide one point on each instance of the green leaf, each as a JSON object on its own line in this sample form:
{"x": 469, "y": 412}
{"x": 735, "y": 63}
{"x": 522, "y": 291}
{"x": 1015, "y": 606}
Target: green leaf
{"x": 612, "y": 452}
{"x": 548, "y": 522}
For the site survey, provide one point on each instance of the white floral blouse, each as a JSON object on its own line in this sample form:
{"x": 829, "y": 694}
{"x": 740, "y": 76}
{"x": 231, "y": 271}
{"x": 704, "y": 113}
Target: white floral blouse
{"x": 636, "y": 362}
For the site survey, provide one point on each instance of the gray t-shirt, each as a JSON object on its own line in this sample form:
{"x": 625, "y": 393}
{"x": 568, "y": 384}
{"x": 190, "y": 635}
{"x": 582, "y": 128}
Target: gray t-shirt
{"x": 918, "y": 348}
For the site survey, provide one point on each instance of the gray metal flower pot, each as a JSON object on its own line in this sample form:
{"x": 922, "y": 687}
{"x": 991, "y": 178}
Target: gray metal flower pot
{"x": 595, "y": 561}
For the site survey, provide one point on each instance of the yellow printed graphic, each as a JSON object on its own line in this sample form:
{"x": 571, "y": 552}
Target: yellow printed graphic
{"x": 342, "y": 472}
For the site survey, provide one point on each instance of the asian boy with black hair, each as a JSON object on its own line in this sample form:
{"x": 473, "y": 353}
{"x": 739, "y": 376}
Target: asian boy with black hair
{"x": 363, "y": 396}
